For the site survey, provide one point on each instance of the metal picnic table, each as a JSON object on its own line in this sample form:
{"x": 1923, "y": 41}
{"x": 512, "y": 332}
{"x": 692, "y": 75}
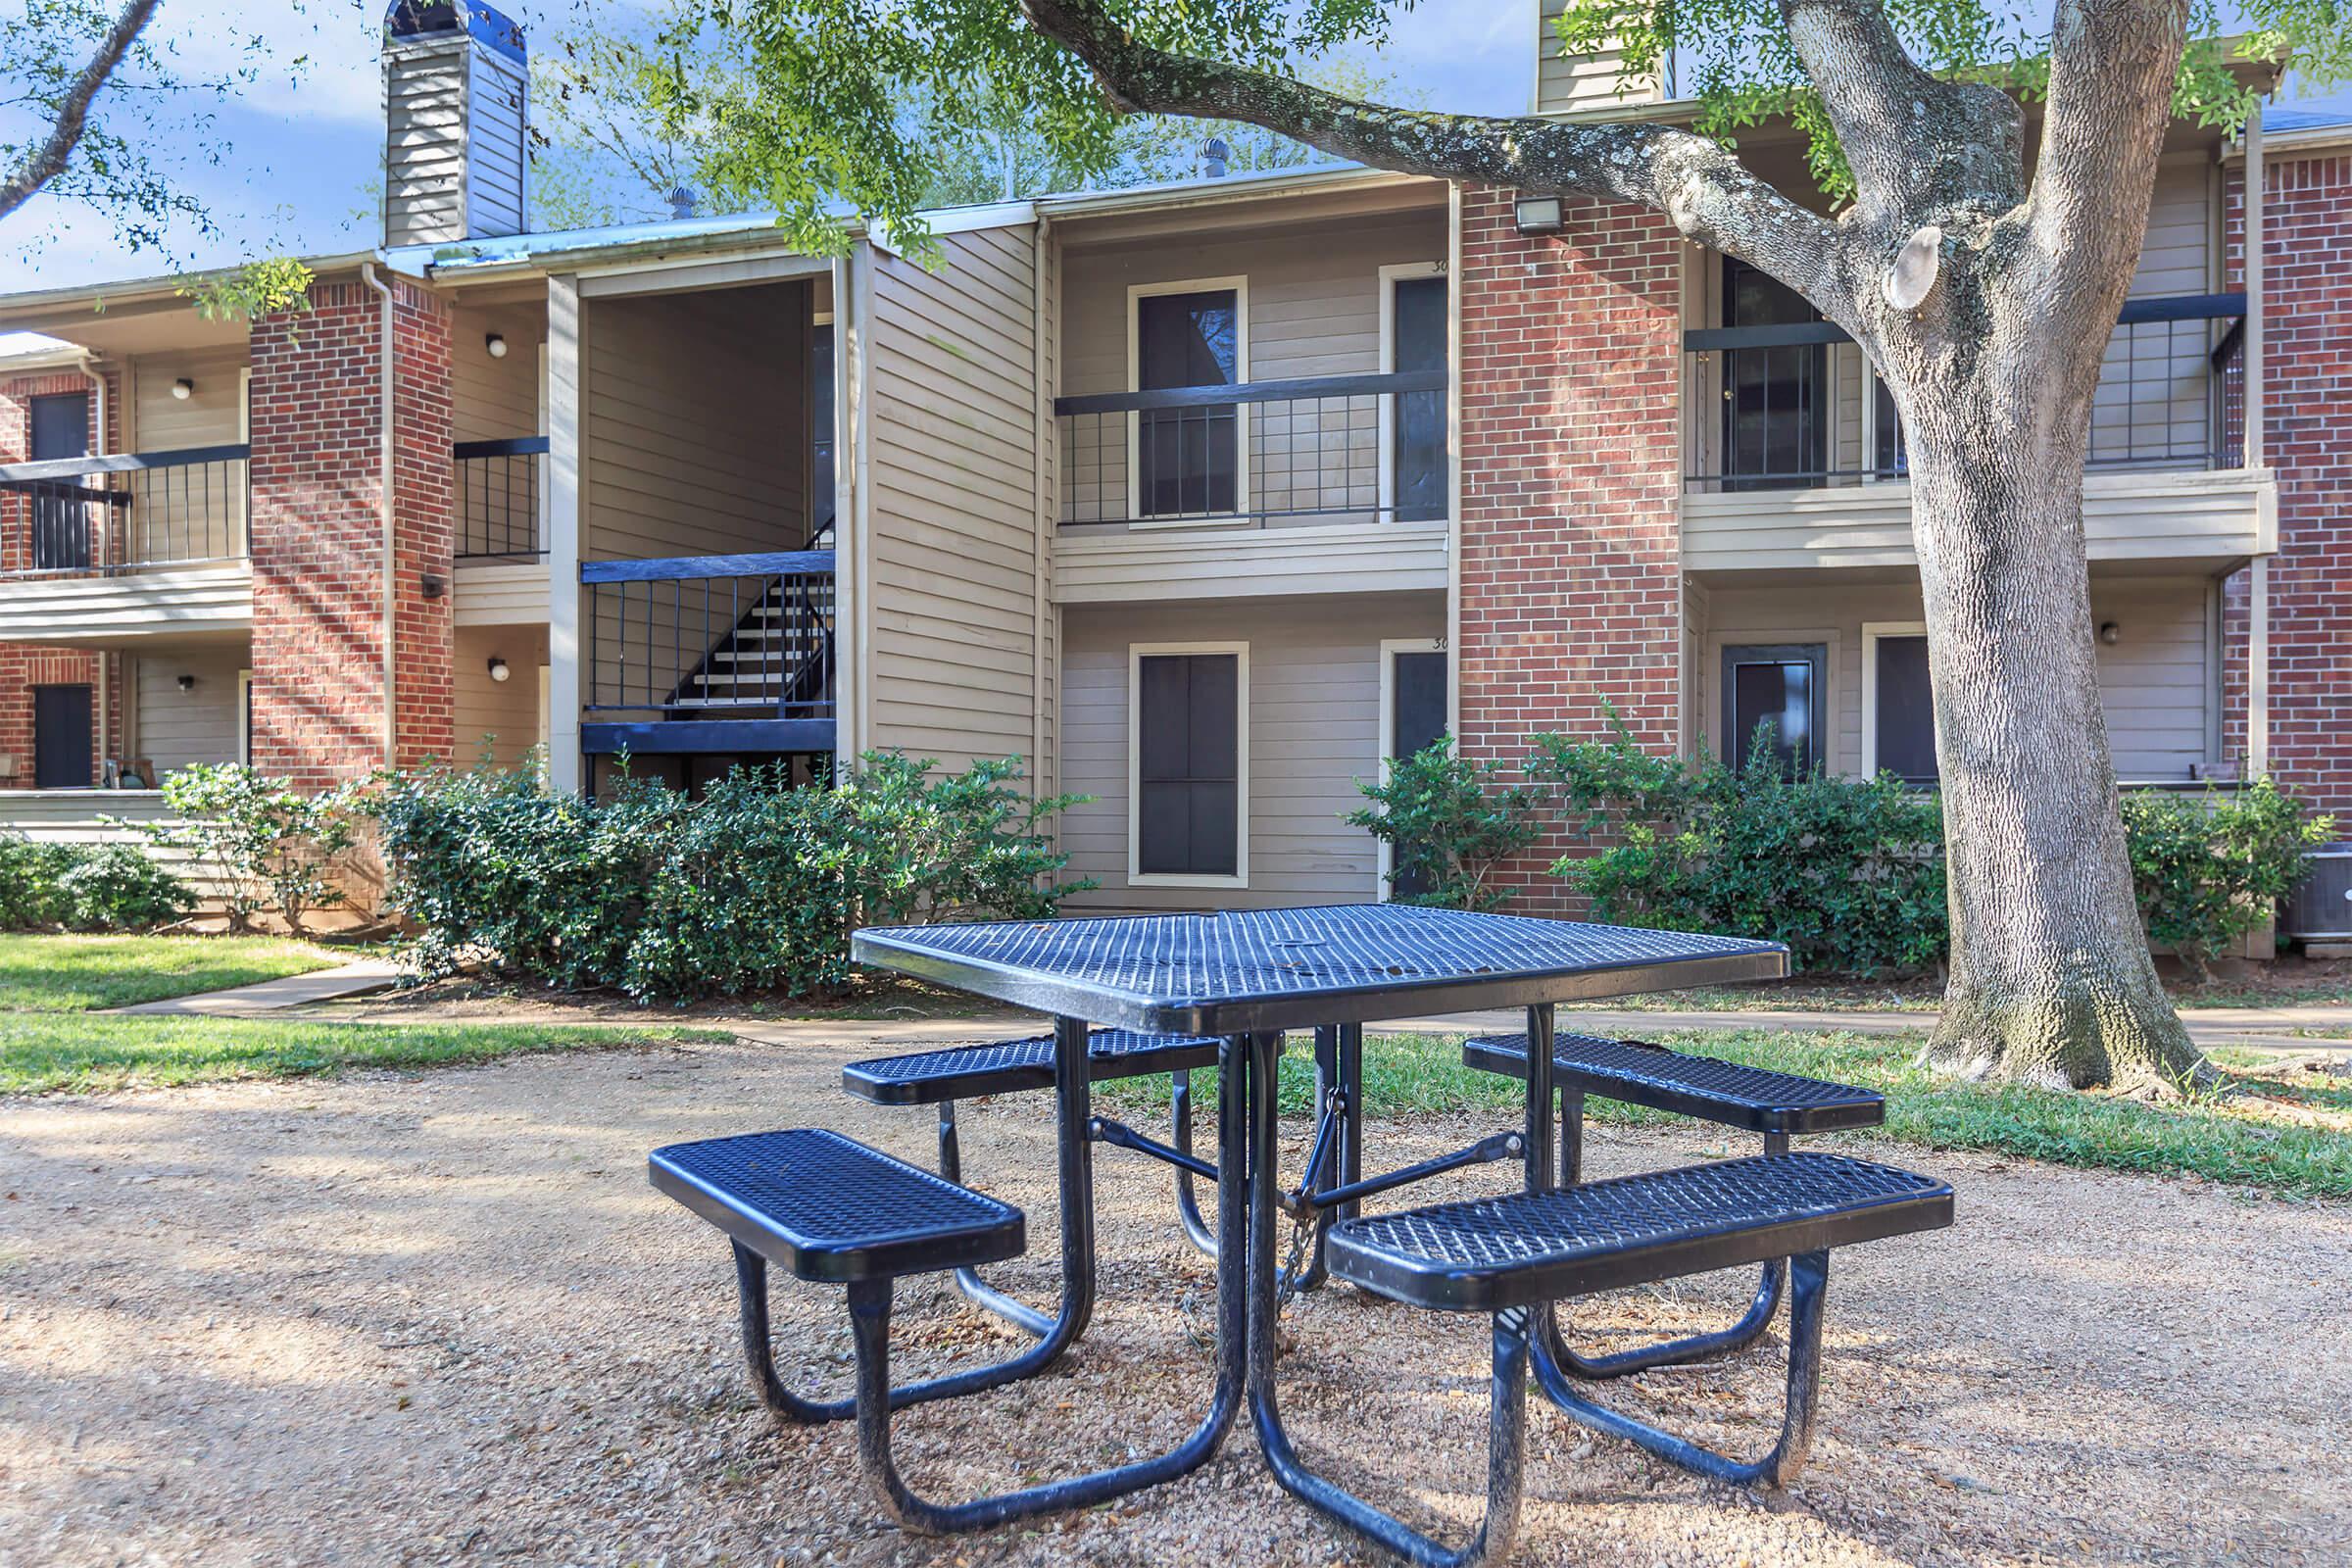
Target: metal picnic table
{"x": 1245, "y": 977}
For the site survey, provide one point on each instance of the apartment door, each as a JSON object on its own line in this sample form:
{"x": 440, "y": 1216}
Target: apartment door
{"x": 61, "y": 740}
{"x": 1775, "y": 402}
{"x": 61, "y": 518}
{"x": 1413, "y": 682}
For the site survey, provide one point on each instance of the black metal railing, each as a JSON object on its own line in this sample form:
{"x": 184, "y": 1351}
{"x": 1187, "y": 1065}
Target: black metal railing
{"x": 1322, "y": 449}
{"x": 119, "y": 511}
{"x": 2172, "y": 395}
{"x": 499, "y": 485}
{"x": 716, "y": 639}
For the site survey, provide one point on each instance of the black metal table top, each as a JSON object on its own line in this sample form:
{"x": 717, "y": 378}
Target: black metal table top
{"x": 1242, "y": 970}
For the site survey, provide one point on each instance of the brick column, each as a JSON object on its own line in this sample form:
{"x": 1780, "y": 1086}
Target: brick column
{"x": 2307, "y": 397}
{"x": 25, "y": 666}
{"x": 318, "y": 626}
{"x": 1571, "y": 435}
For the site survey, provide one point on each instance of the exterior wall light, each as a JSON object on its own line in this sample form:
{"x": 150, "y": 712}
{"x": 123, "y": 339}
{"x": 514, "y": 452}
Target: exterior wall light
{"x": 184, "y": 389}
{"x": 2110, "y": 633}
{"x": 496, "y": 344}
{"x": 187, "y": 683}
{"x": 498, "y": 668}
{"x": 1538, "y": 216}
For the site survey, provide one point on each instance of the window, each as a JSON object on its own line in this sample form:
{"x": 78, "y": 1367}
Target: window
{"x": 1898, "y": 708}
{"x": 1189, "y": 747}
{"x": 1780, "y": 685}
{"x": 1890, "y": 452}
{"x": 1413, "y": 693}
{"x": 1413, "y": 432}
{"x": 821, "y": 483}
{"x": 1775, "y": 400}
{"x": 61, "y": 518}
{"x": 1188, "y": 462}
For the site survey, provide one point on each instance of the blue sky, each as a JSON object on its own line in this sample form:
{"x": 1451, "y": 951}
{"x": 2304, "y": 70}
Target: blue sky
{"x": 300, "y": 155}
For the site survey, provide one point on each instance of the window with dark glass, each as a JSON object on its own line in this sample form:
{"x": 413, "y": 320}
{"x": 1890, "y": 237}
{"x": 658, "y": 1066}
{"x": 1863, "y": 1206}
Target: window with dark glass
{"x": 1419, "y": 325}
{"x": 820, "y": 426}
{"x": 1906, "y": 710}
{"x": 1416, "y": 720}
{"x": 1773, "y": 697}
{"x": 1188, "y": 459}
{"x": 1774, "y": 399}
{"x": 1188, "y": 765}
{"x": 1889, "y": 454}
{"x": 61, "y": 517}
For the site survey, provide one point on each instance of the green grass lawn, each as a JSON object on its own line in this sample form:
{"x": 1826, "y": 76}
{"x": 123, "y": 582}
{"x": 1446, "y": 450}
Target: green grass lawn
{"x": 80, "y": 974}
{"x": 2287, "y": 1131}
{"x": 43, "y": 1052}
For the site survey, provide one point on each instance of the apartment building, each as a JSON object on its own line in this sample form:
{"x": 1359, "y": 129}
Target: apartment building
{"x": 1205, "y": 498}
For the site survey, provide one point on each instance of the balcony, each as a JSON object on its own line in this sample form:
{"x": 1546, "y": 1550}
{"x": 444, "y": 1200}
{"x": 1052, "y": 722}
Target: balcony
{"x": 709, "y": 653}
{"x": 113, "y": 548}
{"x": 1323, "y": 484}
{"x": 1795, "y": 457}
{"x": 499, "y": 494}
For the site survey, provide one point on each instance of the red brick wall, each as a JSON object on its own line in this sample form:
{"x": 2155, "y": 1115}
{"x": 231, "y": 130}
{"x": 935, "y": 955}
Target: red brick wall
{"x": 1571, "y": 575}
{"x": 24, "y": 665}
{"x": 2307, "y": 281}
{"x": 318, "y": 540}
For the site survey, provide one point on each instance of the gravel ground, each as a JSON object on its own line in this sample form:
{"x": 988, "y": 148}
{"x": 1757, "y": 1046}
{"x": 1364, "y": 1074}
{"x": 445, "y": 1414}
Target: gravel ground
{"x": 441, "y": 1318}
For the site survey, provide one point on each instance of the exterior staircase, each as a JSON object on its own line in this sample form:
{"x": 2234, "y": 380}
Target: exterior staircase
{"x": 775, "y": 663}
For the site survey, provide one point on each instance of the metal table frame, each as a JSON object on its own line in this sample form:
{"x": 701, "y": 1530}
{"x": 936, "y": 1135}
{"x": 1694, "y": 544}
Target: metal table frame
{"x": 1251, "y": 1026}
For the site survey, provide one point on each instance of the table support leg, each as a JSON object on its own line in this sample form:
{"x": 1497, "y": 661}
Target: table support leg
{"x": 1188, "y": 1207}
{"x": 869, "y": 1321}
{"x": 968, "y": 1283}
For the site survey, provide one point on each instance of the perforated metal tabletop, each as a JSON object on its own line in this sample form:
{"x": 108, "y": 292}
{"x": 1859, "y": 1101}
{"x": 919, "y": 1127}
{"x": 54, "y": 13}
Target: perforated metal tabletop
{"x": 1241, "y": 970}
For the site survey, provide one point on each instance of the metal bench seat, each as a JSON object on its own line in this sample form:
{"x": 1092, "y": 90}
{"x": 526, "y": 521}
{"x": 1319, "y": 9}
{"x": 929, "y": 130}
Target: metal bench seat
{"x": 1521, "y": 1249}
{"x": 1704, "y": 1087}
{"x": 1011, "y": 1067}
{"x": 829, "y": 1209}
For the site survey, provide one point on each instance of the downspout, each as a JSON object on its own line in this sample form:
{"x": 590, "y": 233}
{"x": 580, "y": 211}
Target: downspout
{"x": 384, "y": 507}
{"x": 106, "y": 658}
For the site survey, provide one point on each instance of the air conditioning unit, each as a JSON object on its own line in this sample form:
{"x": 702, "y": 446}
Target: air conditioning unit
{"x": 2320, "y": 909}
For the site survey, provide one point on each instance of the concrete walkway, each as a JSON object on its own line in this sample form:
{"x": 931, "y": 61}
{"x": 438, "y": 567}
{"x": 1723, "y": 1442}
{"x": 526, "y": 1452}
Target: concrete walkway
{"x": 267, "y": 996}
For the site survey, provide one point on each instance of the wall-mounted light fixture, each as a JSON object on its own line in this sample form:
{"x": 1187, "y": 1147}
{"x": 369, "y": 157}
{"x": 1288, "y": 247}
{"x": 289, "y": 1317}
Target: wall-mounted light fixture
{"x": 2110, "y": 633}
{"x": 187, "y": 683}
{"x": 433, "y": 585}
{"x": 184, "y": 389}
{"x": 1536, "y": 215}
{"x": 496, "y": 344}
{"x": 498, "y": 668}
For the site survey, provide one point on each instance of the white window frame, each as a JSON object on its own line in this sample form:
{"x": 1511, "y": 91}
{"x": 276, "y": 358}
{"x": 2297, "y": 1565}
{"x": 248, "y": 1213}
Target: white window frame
{"x": 1872, "y": 631}
{"x": 1385, "y": 859}
{"x": 1137, "y": 653}
{"x": 1388, "y": 278}
{"x": 1239, "y": 283}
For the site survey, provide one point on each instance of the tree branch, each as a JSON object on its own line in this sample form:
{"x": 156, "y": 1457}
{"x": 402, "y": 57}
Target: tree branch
{"x": 1916, "y": 142}
{"x": 2112, "y": 63}
{"x": 46, "y": 161}
{"x": 1706, "y": 192}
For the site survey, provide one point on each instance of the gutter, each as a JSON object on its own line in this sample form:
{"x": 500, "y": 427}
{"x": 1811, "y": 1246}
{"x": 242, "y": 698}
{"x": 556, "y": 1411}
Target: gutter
{"x": 385, "y": 510}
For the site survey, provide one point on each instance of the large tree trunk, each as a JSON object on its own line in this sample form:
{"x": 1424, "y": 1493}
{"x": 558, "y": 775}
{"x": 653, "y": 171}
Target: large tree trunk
{"x": 2051, "y": 980}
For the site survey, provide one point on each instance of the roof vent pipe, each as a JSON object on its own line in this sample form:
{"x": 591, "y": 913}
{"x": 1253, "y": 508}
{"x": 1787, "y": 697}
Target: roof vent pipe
{"x": 1216, "y": 155}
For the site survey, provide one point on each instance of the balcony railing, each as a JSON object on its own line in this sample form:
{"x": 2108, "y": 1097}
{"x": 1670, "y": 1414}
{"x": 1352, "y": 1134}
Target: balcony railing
{"x": 1769, "y": 415}
{"x": 122, "y": 511}
{"x": 709, "y": 653}
{"x": 1327, "y": 450}
{"x": 499, "y": 485}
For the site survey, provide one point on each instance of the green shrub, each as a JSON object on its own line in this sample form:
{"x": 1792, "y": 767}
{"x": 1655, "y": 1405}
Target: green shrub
{"x": 2207, "y": 870}
{"x": 115, "y": 888}
{"x": 755, "y": 887}
{"x": 1448, "y": 824}
{"x": 29, "y": 873}
{"x": 1847, "y": 872}
{"x": 270, "y": 847}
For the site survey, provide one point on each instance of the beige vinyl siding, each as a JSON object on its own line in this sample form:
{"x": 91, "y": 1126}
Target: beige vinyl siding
{"x": 1587, "y": 82}
{"x": 195, "y": 513}
{"x": 951, "y": 611}
{"x": 495, "y": 399}
{"x": 1314, "y": 731}
{"x": 695, "y": 443}
{"x": 497, "y": 719}
{"x": 2156, "y": 681}
{"x": 424, "y": 152}
{"x": 496, "y": 158}
{"x": 176, "y": 729}
{"x": 1313, "y": 310}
